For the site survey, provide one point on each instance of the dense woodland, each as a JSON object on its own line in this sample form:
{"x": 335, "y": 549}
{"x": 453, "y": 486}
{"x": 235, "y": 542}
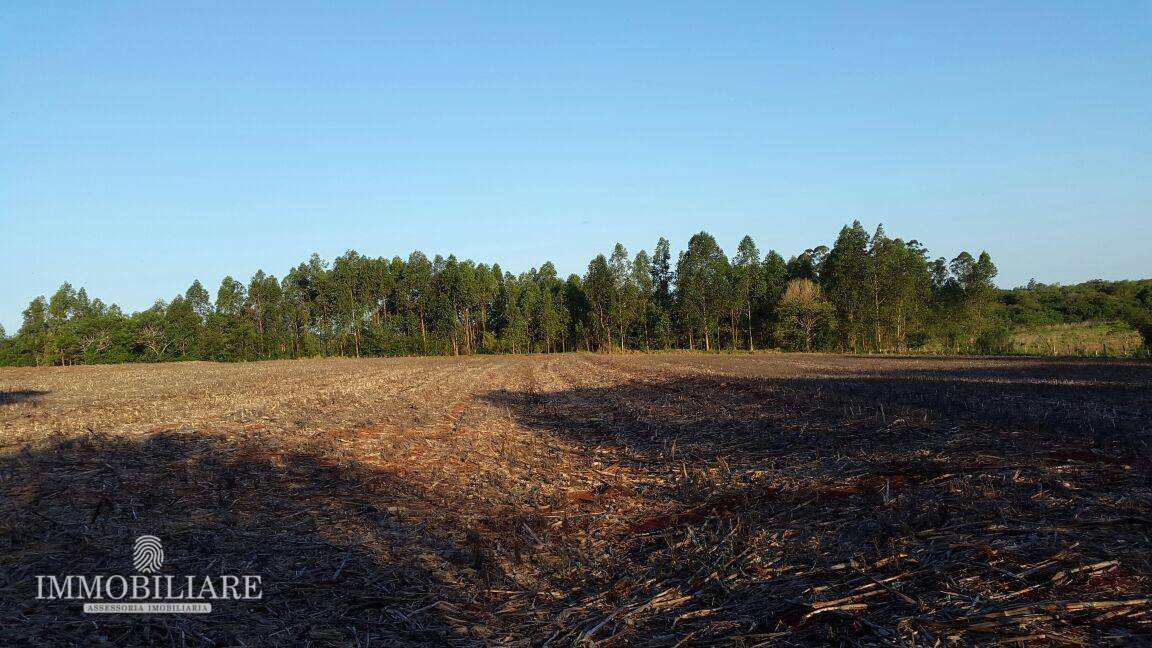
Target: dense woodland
{"x": 866, "y": 293}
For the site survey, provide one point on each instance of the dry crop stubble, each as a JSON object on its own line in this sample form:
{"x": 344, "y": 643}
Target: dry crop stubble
{"x": 575, "y": 499}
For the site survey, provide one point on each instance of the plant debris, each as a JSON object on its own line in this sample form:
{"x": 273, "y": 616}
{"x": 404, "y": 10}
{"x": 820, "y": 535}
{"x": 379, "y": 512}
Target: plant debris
{"x": 563, "y": 500}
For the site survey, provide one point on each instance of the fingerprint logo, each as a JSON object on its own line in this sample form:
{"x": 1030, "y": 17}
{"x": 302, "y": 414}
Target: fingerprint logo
{"x": 148, "y": 554}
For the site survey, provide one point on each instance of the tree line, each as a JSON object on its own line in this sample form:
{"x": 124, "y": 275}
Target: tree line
{"x": 866, "y": 293}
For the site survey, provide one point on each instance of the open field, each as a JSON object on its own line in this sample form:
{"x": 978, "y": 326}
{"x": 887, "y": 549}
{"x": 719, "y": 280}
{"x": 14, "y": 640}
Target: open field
{"x": 578, "y": 499}
{"x": 1097, "y": 339}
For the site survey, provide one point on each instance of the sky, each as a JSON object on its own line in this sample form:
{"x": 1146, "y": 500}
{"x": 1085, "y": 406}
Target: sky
{"x": 144, "y": 145}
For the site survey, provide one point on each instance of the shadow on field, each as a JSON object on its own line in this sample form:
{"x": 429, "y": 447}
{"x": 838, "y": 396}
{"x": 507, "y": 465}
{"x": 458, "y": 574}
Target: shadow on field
{"x": 881, "y": 507}
{"x": 1100, "y": 406}
{"x": 1094, "y": 375}
{"x": 341, "y": 566}
{"x": 20, "y": 396}
{"x": 901, "y": 504}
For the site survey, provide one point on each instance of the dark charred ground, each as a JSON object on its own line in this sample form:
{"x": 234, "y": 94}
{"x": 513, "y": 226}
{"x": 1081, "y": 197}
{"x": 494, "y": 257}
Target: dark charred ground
{"x": 617, "y": 500}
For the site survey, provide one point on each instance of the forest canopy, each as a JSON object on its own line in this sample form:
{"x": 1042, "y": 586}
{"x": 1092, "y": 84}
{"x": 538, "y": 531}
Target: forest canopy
{"x": 867, "y": 293}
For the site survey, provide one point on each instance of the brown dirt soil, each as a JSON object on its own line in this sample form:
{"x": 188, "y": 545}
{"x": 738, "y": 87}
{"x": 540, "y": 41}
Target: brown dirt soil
{"x": 654, "y": 500}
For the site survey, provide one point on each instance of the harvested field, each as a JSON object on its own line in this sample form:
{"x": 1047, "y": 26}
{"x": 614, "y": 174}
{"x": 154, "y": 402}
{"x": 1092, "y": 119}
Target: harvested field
{"x": 564, "y": 500}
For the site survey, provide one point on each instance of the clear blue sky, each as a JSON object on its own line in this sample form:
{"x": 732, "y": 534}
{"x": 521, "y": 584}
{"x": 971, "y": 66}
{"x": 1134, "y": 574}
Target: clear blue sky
{"x": 143, "y": 145}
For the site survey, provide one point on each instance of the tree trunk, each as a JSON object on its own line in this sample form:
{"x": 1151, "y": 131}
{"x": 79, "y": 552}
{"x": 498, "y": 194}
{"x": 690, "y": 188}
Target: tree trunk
{"x": 751, "y": 345}
{"x": 423, "y": 333}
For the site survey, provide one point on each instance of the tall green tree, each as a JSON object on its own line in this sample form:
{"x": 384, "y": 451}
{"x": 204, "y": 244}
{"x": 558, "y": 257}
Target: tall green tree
{"x": 624, "y": 293}
{"x": 643, "y": 295}
{"x": 748, "y": 288}
{"x": 842, "y": 274}
{"x": 417, "y": 293}
{"x": 884, "y": 293}
{"x": 32, "y": 338}
{"x": 774, "y": 273}
{"x": 702, "y": 290}
{"x": 599, "y": 288}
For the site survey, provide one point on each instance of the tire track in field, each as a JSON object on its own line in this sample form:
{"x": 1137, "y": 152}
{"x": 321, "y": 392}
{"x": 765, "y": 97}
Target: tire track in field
{"x": 474, "y": 485}
{"x": 399, "y": 402}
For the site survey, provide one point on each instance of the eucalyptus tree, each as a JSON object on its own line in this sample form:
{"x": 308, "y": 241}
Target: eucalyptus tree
{"x": 183, "y": 325}
{"x": 874, "y": 293}
{"x": 263, "y": 307}
{"x": 747, "y": 288}
{"x": 199, "y": 300}
{"x": 234, "y": 331}
{"x": 801, "y": 266}
{"x": 623, "y": 293}
{"x": 447, "y": 300}
{"x": 528, "y": 335}
{"x": 963, "y": 299}
{"x": 298, "y": 295}
{"x": 600, "y": 290}
{"x": 774, "y": 273}
{"x": 579, "y": 312}
{"x": 842, "y": 275}
{"x": 379, "y": 285}
{"x": 551, "y": 314}
{"x": 702, "y": 287}
{"x": 467, "y": 299}
{"x": 911, "y": 292}
{"x": 662, "y": 278}
{"x": 513, "y": 320}
{"x": 349, "y": 297}
{"x": 62, "y": 344}
{"x": 417, "y": 293}
{"x": 32, "y": 337}
{"x": 320, "y": 299}
{"x": 662, "y": 271}
{"x": 643, "y": 295}
{"x": 489, "y": 285}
